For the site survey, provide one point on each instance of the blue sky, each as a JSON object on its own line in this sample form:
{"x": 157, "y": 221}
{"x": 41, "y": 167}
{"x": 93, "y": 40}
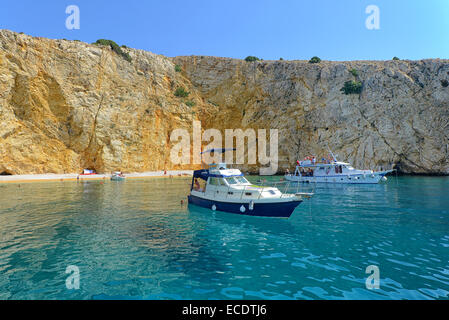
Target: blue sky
{"x": 330, "y": 29}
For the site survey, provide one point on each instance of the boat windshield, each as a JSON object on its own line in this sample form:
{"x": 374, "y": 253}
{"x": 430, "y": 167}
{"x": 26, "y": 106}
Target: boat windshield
{"x": 236, "y": 180}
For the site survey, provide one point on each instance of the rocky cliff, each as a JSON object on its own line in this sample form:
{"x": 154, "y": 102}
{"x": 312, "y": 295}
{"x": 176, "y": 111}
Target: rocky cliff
{"x": 67, "y": 105}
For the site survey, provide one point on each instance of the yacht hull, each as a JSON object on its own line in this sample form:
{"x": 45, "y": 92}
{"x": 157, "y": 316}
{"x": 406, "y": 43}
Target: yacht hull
{"x": 275, "y": 209}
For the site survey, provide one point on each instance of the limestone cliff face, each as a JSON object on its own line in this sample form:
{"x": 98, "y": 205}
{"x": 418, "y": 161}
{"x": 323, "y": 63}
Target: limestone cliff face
{"x": 67, "y": 105}
{"x": 400, "y": 119}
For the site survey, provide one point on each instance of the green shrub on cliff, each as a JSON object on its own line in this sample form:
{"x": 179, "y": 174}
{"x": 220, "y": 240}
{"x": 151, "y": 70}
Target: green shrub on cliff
{"x": 115, "y": 47}
{"x": 354, "y": 72}
{"x": 181, "y": 92}
{"x": 178, "y": 68}
{"x": 396, "y": 58}
{"x": 190, "y": 104}
{"x": 352, "y": 87}
{"x": 251, "y": 59}
{"x": 315, "y": 60}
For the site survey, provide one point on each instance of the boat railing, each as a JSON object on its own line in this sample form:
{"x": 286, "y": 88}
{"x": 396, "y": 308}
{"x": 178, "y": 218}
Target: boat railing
{"x": 288, "y": 187}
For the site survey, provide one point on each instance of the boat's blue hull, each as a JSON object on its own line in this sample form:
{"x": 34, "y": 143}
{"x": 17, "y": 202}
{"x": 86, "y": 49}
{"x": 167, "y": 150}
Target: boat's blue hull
{"x": 279, "y": 210}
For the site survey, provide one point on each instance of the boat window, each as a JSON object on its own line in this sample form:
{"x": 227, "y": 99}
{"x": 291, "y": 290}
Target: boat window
{"x": 214, "y": 181}
{"x": 241, "y": 179}
{"x": 231, "y": 180}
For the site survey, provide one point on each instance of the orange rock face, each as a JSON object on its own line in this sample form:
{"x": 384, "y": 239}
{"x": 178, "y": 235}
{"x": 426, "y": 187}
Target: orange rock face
{"x": 68, "y": 105}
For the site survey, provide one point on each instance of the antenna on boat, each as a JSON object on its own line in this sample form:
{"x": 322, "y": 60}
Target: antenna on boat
{"x": 332, "y": 154}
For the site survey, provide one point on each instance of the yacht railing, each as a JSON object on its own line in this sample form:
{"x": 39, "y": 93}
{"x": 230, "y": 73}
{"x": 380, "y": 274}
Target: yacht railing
{"x": 287, "y": 188}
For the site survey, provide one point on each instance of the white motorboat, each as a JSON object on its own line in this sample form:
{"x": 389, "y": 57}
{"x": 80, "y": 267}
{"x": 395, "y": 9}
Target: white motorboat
{"x": 117, "y": 176}
{"x": 333, "y": 171}
{"x": 228, "y": 190}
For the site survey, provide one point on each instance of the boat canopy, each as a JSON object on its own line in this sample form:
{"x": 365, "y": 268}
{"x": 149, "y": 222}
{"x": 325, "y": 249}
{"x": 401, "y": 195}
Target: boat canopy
{"x": 201, "y": 174}
{"x": 304, "y": 164}
{"x": 205, "y": 174}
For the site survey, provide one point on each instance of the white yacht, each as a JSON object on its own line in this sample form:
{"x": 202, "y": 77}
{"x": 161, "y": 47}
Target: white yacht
{"x": 224, "y": 189}
{"x": 333, "y": 171}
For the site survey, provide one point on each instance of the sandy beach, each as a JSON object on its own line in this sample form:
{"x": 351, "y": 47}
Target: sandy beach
{"x": 78, "y": 177}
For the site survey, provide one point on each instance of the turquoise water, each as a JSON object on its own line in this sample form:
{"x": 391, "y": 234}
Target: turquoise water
{"x": 134, "y": 240}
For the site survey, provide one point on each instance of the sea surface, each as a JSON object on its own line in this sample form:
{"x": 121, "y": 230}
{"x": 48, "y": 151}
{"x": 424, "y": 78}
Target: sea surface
{"x": 136, "y": 240}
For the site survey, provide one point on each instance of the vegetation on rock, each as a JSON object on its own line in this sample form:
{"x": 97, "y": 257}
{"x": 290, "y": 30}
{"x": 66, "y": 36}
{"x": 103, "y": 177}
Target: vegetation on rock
{"x": 315, "y": 60}
{"x": 181, "y": 92}
{"x": 354, "y": 72}
{"x": 115, "y": 47}
{"x": 251, "y": 59}
{"x": 352, "y": 87}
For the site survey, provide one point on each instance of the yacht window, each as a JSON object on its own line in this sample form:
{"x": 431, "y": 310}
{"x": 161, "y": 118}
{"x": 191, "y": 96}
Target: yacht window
{"x": 231, "y": 180}
{"x": 241, "y": 180}
{"x": 214, "y": 181}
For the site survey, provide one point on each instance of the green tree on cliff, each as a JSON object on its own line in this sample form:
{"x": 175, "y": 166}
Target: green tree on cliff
{"x": 352, "y": 87}
{"x": 115, "y": 47}
{"x": 315, "y": 60}
{"x": 251, "y": 59}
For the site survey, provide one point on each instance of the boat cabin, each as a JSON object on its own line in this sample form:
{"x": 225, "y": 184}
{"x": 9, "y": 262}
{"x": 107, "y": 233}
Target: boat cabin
{"x": 324, "y": 169}
{"x": 219, "y": 181}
